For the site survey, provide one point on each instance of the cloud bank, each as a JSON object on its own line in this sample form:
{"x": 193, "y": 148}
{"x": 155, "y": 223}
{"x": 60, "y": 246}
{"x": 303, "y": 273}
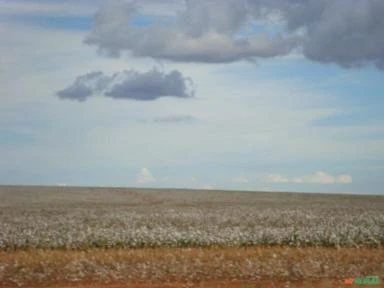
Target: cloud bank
{"x": 318, "y": 177}
{"x": 345, "y": 32}
{"x": 130, "y": 84}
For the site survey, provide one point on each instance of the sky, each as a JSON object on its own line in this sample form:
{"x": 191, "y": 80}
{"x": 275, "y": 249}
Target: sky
{"x": 259, "y": 95}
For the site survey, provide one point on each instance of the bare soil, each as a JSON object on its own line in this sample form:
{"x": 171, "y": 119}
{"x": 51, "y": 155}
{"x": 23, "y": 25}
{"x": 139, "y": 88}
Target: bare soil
{"x": 232, "y": 267}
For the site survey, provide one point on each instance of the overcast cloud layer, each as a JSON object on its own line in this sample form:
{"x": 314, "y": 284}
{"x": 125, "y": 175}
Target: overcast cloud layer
{"x": 131, "y": 84}
{"x": 346, "y": 32}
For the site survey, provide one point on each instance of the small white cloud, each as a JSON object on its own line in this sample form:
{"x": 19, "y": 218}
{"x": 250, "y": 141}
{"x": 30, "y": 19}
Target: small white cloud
{"x": 276, "y": 178}
{"x": 207, "y": 187}
{"x": 344, "y": 179}
{"x": 240, "y": 179}
{"x": 145, "y": 176}
{"x": 319, "y": 177}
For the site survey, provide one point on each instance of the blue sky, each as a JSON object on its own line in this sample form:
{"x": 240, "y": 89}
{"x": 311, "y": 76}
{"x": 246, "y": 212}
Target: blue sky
{"x": 177, "y": 100}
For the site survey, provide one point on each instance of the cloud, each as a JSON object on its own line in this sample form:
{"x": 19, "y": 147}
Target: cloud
{"x": 145, "y": 176}
{"x": 240, "y": 179}
{"x": 82, "y": 88}
{"x": 175, "y": 119}
{"x": 318, "y": 177}
{"x": 130, "y": 84}
{"x": 345, "y": 32}
{"x": 276, "y": 178}
{"x": 204, "y": 32}
{"x": 344, "y": 179}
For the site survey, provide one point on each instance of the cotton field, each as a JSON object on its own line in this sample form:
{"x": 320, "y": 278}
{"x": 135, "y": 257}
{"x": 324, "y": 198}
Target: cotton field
{"x": 82, "y": 218}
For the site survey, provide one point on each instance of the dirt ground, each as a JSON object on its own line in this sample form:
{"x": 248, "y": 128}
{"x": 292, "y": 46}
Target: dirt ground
{"x": 218, "y": 284}
{"x": 251, "y": 267}
{"x": 212, "y": 284}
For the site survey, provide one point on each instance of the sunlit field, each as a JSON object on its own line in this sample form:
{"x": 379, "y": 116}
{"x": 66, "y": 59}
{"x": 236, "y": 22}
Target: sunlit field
{"x": 114, "y": 236}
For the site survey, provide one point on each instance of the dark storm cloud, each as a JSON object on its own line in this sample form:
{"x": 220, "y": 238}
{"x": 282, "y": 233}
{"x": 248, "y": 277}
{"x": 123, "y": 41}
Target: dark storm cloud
{"x": 346, "y": 32}
{"x": 131, "y": 84}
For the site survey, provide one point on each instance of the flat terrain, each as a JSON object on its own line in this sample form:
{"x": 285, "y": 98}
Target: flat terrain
{"x": 197, "y": 267}
{"x": 115, "y": 237}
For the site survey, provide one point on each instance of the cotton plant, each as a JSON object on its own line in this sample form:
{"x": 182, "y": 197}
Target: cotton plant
{"x": 194, "y": 225}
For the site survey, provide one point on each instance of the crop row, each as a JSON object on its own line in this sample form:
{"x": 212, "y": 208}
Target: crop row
{"x": 152, "y": 226}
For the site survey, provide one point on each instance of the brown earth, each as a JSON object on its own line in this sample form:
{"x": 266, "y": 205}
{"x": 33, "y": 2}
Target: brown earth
{"x": 217, "y": 284}
{"x": 233, "y": 267}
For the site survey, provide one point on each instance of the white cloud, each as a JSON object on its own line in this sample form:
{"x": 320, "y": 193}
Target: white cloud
{"x": 344, "y": 179}
{"x": 207, "y": 187}
{"x": 319, "y": 177}
{"x": 240, "y": 179}
{"x": 276, "y": 178}
{"x": 145, "y": 176}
